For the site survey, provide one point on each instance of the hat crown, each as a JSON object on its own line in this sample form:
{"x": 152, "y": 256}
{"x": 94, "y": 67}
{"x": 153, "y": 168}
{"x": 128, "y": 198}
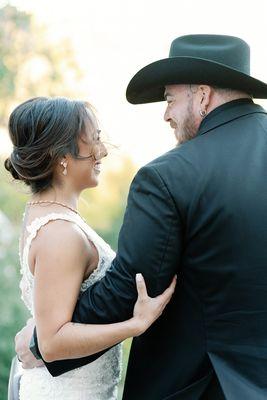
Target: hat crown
{"x": 228, "y": 50}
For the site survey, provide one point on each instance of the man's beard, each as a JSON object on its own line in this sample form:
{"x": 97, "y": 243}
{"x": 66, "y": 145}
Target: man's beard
{"x": 188, "y": 128}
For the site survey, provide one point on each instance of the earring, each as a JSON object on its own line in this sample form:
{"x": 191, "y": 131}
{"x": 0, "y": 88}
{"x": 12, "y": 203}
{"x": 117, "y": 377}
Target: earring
{"x": 64, "y": 164}
{"x": 202, "y": 113}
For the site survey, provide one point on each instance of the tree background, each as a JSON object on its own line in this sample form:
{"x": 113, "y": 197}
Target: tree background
{"x": 34, "y": 64}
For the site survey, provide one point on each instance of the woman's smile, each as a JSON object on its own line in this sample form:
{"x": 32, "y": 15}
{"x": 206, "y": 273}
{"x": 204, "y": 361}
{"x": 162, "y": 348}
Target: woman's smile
{"x": 97, "y": 166}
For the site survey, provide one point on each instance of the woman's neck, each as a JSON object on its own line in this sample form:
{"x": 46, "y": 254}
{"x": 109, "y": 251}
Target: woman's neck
{"x": 60, "y": 196}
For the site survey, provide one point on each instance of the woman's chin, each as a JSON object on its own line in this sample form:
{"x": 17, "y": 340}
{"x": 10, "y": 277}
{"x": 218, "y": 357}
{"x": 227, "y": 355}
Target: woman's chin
{"x": 90, "y": 181}
{"x": 93, "y": 183}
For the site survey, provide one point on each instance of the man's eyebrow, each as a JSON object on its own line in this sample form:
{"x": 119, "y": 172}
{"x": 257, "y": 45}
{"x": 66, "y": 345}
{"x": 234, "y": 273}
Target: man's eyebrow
{"x": 166, "y": 94}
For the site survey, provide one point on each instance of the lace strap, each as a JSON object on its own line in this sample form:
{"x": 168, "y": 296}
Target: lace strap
{"x": 33, "y": 229}
{"x": 38, "y": 222}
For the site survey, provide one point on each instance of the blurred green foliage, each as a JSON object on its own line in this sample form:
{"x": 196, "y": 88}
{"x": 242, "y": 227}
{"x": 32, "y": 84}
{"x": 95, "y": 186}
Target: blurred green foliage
{"x": 30, "y": 65}
{"x": 13, "y": 313}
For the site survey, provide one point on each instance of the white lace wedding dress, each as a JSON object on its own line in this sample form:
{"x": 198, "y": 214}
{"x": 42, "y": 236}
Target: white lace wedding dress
{"x": 95, "y": 381}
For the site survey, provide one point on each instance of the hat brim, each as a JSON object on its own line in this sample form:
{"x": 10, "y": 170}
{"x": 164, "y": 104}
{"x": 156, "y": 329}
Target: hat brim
{"x": 148, "y": 84}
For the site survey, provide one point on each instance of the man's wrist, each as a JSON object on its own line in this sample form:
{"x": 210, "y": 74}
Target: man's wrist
{"x": 34, "y": 346}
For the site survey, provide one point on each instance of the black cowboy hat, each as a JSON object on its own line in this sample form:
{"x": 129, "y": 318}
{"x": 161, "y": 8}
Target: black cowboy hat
{"x": 216, "y": 60}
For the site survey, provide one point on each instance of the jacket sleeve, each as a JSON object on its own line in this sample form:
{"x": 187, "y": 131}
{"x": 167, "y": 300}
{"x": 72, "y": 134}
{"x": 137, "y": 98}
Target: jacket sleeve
{"x": 149, "y": 242}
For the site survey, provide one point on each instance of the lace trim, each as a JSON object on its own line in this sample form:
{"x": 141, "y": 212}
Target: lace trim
{"x": 34, "y": 228}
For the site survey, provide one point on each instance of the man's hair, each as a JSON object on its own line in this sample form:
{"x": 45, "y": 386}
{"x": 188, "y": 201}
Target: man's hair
{"x": 229, "y": 93}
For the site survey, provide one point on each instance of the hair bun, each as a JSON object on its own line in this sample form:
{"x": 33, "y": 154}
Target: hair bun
{"x": 10, "y": 168}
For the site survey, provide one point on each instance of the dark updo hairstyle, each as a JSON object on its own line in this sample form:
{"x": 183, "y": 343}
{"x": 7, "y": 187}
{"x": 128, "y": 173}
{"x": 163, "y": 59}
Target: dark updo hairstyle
{"x": 42, "y": 131}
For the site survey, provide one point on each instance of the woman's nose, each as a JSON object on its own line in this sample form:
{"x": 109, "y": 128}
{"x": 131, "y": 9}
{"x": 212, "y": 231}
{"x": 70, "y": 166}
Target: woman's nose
{"x": 103, "y": 151}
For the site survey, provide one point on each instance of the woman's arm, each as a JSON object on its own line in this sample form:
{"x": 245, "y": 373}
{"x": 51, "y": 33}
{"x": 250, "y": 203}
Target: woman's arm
{"x": 79, "y": 340}
{"x": 62, "y": 254}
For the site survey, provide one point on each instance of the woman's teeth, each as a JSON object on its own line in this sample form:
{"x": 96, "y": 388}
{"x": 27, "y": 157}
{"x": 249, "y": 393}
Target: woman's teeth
{"x": 97, "y": 167}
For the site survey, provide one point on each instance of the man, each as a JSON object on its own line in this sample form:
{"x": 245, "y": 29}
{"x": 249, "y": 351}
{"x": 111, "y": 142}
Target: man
{"x": 200, "y": 211}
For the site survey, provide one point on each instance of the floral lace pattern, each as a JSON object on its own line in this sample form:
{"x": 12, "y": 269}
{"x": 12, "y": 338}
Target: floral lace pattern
{"x": 95, "y": 381}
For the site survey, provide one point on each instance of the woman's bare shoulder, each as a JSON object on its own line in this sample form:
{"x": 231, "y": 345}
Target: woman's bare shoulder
{"x": 64, "y": 238}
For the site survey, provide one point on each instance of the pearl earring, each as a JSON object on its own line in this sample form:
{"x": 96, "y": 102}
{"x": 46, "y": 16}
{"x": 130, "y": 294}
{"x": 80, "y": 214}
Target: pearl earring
{"x": 64, "y": 164}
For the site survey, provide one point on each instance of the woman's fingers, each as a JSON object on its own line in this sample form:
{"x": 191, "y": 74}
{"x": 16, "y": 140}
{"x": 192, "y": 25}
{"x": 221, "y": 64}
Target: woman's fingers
{"x": 167, "y": 294}
{"x": 148, "y": 309}
{"x": 164, "y": 297}
{"x": 141, "y": 287}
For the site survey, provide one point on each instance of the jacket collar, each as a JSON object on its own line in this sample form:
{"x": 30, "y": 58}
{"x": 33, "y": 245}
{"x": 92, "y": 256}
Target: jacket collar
{"x": 228, "y": 112}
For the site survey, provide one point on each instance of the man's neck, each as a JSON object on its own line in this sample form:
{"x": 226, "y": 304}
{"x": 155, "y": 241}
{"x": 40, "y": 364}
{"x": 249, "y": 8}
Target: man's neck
{"x": 219, "y": 99}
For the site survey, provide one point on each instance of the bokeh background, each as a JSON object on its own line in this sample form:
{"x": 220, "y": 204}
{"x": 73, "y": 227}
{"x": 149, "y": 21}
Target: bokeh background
{"x": 90, "y": 49}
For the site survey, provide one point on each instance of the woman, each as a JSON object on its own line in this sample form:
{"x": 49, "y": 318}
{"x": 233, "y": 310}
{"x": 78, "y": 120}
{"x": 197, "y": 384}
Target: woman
{"x": 58, "y": 152}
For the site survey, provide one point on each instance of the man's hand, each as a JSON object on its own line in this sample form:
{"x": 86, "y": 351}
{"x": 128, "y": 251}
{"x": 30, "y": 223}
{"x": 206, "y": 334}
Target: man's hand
{"x": 22, "y": 342}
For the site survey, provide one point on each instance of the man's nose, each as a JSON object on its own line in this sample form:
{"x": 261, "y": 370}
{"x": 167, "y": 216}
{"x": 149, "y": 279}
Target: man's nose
{"x": 166, "y": 115}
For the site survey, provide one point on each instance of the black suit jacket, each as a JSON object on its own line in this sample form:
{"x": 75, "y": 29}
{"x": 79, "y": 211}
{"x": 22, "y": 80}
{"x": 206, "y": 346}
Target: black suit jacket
{"x": 199, "y": 210}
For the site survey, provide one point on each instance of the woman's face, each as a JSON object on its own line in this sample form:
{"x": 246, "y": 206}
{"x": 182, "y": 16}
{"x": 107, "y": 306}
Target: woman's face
{"x": 85, "y": 170}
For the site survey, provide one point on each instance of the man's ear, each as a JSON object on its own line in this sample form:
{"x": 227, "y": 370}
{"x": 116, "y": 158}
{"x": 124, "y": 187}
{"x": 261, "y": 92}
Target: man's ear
{"x": 204, "y": 93}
